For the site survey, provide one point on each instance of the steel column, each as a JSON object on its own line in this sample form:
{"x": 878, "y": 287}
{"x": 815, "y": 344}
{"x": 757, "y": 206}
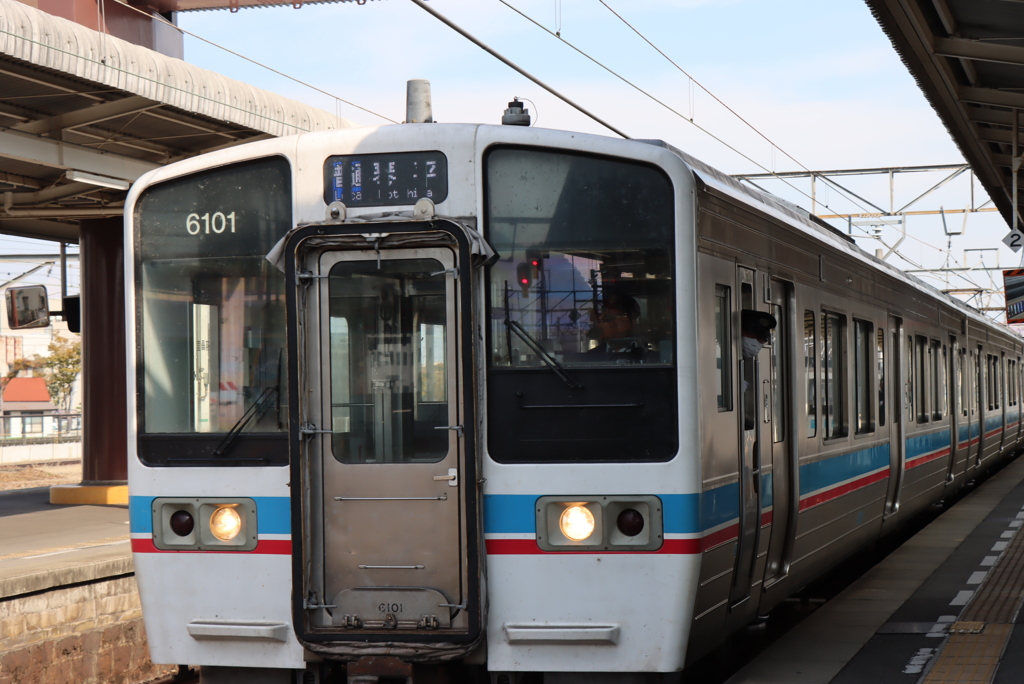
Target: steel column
{"x": 105, "y": 421}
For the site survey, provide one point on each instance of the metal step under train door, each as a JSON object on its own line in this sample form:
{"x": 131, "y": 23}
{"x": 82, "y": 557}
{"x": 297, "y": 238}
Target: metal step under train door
{"x": 390, "y": 557}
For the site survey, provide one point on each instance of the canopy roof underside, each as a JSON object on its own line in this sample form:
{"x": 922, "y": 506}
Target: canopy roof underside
{"x": 968, "y": 58}
{"x": 83, "y": 114}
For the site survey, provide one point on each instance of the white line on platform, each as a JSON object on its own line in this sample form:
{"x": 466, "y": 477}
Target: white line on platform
{"x": 962, "y": 598}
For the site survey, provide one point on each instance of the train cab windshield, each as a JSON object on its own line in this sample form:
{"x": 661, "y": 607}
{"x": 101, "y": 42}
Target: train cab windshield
{"x": 581, "y": 326}
{"x": 211, "y": 316}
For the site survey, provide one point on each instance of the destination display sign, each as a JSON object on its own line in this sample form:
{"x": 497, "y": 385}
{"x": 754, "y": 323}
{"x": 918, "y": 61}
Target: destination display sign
{"x": 370, "y": 180}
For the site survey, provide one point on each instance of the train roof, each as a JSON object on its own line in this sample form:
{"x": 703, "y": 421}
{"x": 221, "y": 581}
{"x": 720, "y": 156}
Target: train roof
{"x": 807, "y": 222}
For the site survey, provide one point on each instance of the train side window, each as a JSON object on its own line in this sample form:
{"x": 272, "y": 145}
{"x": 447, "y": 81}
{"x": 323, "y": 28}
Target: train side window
{"x": 1001, "y": 368}
{"x": 961, "y": 381}
{"x": 862, "y": 337}
{"x": 1009, "y": 382}
{"x": 937, "y": 354}
{"x": 921, "y": 377}
{"x": 834, "y": 371}
{"x": 810, "y": 374}
{"x": 1014, "y": 387}
{"x": 880, "y": 370}
{"x": 911, "y": 377}
{"x": 989, "y": 375}
{"x": 979, "y": 372}
{"x": 748, "y": 379}
{"x": 780, "y": 372}
{"x": 723, "y": 347}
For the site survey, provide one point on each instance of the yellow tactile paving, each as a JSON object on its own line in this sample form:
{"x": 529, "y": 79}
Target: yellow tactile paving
{"x": 966, "y": 627}
{"x": 970, "y": 658}
{"x": 998, "y": 598}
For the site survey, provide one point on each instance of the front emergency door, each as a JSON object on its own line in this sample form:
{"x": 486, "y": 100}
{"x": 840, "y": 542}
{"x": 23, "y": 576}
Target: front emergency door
{"x": 393, "y": 520}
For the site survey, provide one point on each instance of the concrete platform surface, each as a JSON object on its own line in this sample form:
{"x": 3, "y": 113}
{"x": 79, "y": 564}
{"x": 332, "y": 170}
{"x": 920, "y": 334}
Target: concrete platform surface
{"x": 44, "y": 545}
{"x": 904, "y": 620}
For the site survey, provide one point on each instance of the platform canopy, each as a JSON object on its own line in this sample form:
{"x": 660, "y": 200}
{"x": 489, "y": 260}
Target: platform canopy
{"x": 968, "y": 58}
{"x": 83, "y": 114}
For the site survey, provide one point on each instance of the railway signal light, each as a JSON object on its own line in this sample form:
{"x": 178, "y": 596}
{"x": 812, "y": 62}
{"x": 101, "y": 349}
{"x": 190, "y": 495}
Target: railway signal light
{"x": 528, "y": 272}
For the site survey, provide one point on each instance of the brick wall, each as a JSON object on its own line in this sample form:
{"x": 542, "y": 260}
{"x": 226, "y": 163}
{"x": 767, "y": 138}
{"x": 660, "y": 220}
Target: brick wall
{"x": 86, "y": 633}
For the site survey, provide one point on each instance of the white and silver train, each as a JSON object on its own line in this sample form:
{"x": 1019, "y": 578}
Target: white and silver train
{"x": 474, "y": 398}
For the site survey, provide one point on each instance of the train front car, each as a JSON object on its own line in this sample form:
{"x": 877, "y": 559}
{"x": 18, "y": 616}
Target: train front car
{"x": 423, "y": 393}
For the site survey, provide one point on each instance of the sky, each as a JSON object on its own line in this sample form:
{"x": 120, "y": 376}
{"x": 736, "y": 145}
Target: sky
{"x": 818, "y": 82}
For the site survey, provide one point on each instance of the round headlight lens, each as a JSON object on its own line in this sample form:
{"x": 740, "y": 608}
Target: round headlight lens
{"x": 225, "y": 523}
{"x": 630, "y": 522}
{"x": 576, "y": 523}
{"x": 182, "y": 523}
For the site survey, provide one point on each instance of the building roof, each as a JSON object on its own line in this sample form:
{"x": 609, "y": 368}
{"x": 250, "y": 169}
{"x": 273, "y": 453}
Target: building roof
{"x": 26, "y": 389}
{"x": 79, "y": 108}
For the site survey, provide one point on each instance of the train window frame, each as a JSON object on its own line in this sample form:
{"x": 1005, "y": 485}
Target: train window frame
{"x": 863, "y": 386}
{"x": 1000, "y": 372}
{"x": 989, "y": 375}
{"x": 1011, "y": 386}
{"x": 937, "y": 374}
{"x": 811, "y": 372}
{"x": 724, "y": 347}
{"x": 980, "y": 380}
{"x": 546, "y": 203}
{"x": 195, "y": 275}
{"x": 911, "y": 380}
{"x": 880, "y": 371}
{"x": 963, "y": 384}
{"x": 780, "y": 373}
{"x": 921, "y": 379}
{"x": 834, "y": 355}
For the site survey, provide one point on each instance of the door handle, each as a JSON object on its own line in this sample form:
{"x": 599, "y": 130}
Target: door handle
{"x": 452, "y": 478}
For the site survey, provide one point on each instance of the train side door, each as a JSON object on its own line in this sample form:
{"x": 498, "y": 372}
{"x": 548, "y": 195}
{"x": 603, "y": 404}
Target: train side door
{"x": 980, "y": 394}
{"x": 755, "y": 403}
{"x": 387, "y": 483}
{"x": 896, "y": 381}
{"x": 953, "y": 395}
{"x": 1001, "y": 398}
{"x": 778, "y": 503}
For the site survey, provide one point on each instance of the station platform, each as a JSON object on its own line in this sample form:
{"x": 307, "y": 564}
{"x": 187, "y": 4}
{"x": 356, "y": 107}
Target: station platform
{"x": 43, "y": 545}
{"x": 944, "y": 607}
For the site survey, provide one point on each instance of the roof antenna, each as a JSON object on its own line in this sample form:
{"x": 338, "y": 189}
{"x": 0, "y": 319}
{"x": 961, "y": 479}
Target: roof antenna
{"x": 417, "y": 101}
{"x": 515, "y": 115}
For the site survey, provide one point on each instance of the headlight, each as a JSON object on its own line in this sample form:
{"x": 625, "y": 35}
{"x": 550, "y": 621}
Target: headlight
{"x": 225, "y": 523}
{"x": 576, "y": 523}
{"x": 601, "y": 522}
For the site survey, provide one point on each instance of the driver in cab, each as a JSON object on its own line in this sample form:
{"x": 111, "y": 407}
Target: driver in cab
{"x": 615, "y": 330}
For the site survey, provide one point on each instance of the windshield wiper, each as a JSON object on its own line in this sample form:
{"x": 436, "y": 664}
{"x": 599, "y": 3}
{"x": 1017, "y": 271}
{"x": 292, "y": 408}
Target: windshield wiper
{"x": 259, "y": 407}
{"x": 542, "y": 353}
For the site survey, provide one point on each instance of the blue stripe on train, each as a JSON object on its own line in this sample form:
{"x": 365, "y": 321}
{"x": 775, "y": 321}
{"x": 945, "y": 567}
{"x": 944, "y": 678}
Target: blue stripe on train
{"x": 517, "y": 513}
{"x": 273, "y": 514}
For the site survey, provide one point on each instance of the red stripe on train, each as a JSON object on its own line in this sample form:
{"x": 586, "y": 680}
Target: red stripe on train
{"x": 836, "y": 492}
{"x": 524, "y": 547}
{"x": 921, "y": 460}
{"x": 263, "y": 546}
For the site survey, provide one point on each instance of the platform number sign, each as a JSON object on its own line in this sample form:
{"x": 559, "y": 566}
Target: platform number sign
{"x": 1014, "y": 240}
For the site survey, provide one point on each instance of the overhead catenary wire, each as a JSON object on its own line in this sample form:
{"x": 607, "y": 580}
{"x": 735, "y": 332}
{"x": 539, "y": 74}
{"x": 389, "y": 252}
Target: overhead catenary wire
{"x": 551, "y": 90}
{"x": 509, "y": 63}
{"x": 839, "y": 189}
{"x": 774, "y": 146}
{"x": 676, "y": 112}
